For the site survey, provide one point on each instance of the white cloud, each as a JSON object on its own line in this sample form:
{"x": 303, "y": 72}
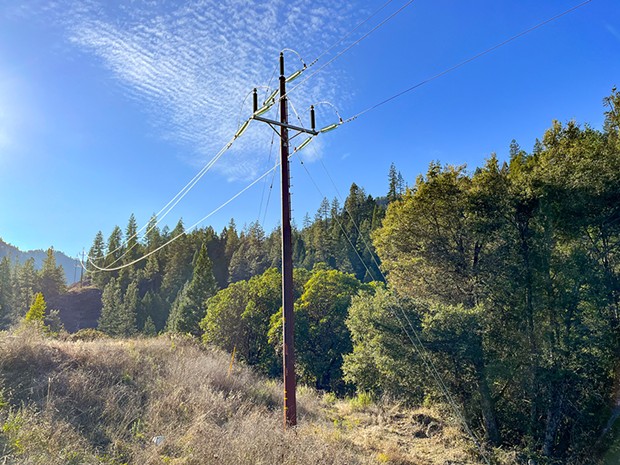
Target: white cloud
{"x": 193, "y": 64}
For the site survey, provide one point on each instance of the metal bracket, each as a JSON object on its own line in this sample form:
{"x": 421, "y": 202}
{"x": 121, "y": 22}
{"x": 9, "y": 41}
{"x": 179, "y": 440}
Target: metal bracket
{"x": 288, "y": 126}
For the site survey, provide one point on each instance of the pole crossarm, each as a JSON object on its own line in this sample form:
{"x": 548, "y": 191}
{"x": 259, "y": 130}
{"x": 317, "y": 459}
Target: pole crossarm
{"x": 285, "y": 125}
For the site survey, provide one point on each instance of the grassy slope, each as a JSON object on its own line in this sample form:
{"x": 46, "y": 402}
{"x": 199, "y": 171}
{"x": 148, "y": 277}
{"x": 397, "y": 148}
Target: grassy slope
{"x": 103, "y": 401}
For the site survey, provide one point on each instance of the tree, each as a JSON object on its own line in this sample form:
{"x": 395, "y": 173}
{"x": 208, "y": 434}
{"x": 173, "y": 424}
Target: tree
{"x": 52, "y": 277}
{"x": 189, "y": 308}
{"x": 95, "y": 257}
{"x": 249, "y": 259}
{"x": 239, "y": 317}
{"x": 6, "y": 292}
{"x": 36, "y": 313}
{"x": 115, "y": 320}
{"x": 321, "y": 336}
{"x": 115, "y": 247}
{"x": 26, "y": 283}
{"x": 383, "y": 360}
{"x": 132, "y": 246}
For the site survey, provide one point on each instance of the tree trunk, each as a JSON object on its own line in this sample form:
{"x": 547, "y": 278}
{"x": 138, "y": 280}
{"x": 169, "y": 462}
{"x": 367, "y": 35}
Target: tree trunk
{"x": 615, "y": 412}
{"x": 486, "y": 404}
{"x": 554, "y": 416}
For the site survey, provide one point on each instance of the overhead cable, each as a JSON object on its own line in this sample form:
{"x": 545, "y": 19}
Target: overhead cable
{"x": 342, "y": 52}
{"x": 469, "y": 60}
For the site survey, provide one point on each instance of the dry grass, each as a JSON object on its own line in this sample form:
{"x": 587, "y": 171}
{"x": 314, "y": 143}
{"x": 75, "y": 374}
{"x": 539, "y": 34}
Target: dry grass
{"x": 103, "y": 401}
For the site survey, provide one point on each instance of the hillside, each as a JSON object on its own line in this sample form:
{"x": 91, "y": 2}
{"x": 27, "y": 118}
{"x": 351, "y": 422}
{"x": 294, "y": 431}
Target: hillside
{"x": 69, "y": 265}
{"x": 105, "y": 401}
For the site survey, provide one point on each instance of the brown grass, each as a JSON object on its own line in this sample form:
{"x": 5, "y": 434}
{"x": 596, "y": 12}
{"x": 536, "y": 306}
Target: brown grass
{"x": 103, "y": 401}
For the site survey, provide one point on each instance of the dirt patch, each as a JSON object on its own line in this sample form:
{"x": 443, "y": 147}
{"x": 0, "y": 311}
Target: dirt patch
{"x": 79, "y": 307}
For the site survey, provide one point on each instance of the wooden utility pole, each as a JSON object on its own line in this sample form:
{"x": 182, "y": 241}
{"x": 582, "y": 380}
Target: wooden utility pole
{"x": 288, "y": 317}
{"x": 288, "y": 349}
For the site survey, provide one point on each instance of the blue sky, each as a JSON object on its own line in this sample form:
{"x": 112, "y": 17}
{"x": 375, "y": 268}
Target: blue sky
{"x": 110, "y": 108}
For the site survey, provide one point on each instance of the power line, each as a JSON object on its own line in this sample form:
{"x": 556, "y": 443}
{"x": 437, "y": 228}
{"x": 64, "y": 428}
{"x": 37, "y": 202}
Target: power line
{"x": 175, "y": 200}
{"x": 194, "y": 226}
{"x": 353, "y": 44}
{"x": 469, "y": 60}
{"x": 345, "y": 37}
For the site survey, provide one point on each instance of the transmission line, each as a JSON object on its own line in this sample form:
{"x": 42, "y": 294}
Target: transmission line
{"x": 469, "y": 60}
{"x": 194, "y": 226}
{"x": 174, "y": 201}
{"x": 342, "y": 52}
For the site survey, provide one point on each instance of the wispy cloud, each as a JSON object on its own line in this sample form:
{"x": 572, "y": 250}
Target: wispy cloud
{"x": 192, "y": 65}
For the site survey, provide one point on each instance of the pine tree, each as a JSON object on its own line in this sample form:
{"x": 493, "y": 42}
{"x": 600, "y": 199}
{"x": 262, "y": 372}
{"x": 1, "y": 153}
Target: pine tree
{"x": 6, "y": 291}
{"x": 149, "y": 327}
{"x": 26, "y": 283}
{"x": 393, "y": 184}
{"x": 189, "y": 307}
{"x": 132, "y": 246}
{"x": 36, "y": 313}
{"x": 115, "y": 247}
{"x": 52, "y": 277}
{"x": 95, "y": 257}
{"x": 115, "y": 319}
{"x": 152, "y": 235}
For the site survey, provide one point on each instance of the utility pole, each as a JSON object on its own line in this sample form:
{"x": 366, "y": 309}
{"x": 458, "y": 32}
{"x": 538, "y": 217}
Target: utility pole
{"x": 288, "y": 320}
{"x": 82, "y": 271}
{"x": 288, "y": 330}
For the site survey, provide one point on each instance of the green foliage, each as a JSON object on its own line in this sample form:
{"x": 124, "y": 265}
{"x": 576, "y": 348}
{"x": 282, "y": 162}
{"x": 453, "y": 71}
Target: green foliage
{"x": 189, "y": 307}
{"x": 36, "y": 313}
{"x": 320, "y": 315}
{"x": 383, "y": 362}
{"x": 118, "y": 317}
{"x": 52, "y": 278}
{"x": 519, "y": 266}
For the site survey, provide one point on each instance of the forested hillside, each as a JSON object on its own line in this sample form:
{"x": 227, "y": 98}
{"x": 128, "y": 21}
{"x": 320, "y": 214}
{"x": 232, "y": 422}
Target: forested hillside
{"x": 494, "y": 291}
{"x": 71, "y": 267}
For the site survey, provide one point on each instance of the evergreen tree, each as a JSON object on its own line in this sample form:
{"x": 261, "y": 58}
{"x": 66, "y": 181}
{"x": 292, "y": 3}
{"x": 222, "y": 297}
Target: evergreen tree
{"x": 115, "y": 247}
{"x": 26, "y": 283}
{"x": 149, "y": 327}
{"x": 250, "y": 258}
{"x": 177, "y": 264}
{"x": 115, "y": 320}
{"x": 393, "y": 188}
{"x": 6, "y": 292}
{"x": 95, "y": 257}
{"x": 189, "y": 307}
{"x": 152, "y": 235}
{"x": 36, "y": 313}
{"x": 132, "y": 246}
{"x": 51, "y": 277}
{"x": 155, "y": 309}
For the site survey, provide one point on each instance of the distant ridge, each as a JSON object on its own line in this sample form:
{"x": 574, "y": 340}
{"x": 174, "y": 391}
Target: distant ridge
{"x": 68, "y": 264}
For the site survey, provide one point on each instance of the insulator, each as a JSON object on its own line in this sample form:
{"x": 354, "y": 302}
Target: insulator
{"x": 295, "y": 75}
{"x": 262, "y": 110}
{"x": 331, "y": 127}
{"x": 272, "y": 98}
{"x": 303, "y": 144}
{"x": 242, "y": 129}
